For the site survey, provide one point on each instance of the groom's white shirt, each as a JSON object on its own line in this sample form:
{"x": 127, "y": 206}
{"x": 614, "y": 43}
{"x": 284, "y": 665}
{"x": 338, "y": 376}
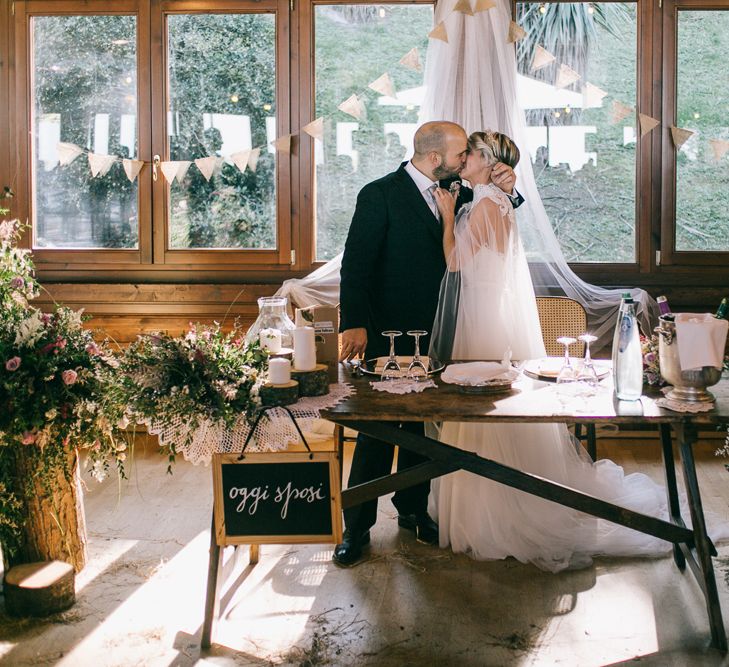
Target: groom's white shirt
{"x": 423, "y": 184}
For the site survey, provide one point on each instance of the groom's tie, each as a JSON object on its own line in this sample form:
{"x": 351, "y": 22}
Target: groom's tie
{"x": 432, "y": 201}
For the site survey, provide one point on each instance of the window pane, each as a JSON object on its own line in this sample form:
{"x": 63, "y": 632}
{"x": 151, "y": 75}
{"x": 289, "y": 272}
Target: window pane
{"x": 583, "y": 154}
{"x": 222, "y": 92}
{"x": 702, "y": 105}
{"x": 84, "y": 91}
{"x": 355, "y": 45}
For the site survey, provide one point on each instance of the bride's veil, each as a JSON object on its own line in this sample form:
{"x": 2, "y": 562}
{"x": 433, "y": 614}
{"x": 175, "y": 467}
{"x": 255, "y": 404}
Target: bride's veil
{"x": 471, "y": 80}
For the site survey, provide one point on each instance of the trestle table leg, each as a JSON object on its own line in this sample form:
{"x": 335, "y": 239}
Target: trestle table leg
{"x": 671, "y": 489}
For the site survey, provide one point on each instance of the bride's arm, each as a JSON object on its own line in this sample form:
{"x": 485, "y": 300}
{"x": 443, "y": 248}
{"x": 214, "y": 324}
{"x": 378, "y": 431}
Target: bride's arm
{"x": 446, "y": 206}
{"x": 488, "y": 226}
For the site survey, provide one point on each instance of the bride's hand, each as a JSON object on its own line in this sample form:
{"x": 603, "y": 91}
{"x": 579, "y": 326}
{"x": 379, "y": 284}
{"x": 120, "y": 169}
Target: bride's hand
{"x": 446, "y": 203}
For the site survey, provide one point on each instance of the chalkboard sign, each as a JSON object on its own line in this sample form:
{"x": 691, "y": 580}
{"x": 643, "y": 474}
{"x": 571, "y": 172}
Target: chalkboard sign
{"x": 277, "y": 498}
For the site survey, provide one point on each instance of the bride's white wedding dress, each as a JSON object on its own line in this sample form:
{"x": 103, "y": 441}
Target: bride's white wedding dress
{"x": 489, "y": 287}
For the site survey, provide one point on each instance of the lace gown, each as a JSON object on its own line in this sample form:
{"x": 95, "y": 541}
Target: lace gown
{"x": 489, "y": 287}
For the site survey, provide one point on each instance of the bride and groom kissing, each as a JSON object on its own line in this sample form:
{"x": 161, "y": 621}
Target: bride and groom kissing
{"x": 423, "y": 255}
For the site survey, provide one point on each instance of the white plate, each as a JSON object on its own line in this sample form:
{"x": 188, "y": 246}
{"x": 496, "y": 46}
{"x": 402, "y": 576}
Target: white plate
{"x": 547, "y": 368}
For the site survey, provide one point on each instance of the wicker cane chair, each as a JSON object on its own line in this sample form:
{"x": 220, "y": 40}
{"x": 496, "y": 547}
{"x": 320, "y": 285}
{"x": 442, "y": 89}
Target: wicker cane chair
{"x": 560, "y": 316}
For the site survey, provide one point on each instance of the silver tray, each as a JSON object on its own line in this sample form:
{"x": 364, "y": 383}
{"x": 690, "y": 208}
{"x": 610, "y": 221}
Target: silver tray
{"x": 490, "y": 387}
{"x": 374, "y": 366}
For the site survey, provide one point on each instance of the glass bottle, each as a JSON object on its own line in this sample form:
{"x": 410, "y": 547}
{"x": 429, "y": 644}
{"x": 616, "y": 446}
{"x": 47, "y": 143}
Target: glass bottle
{"x": 663, "y": 306}
{"x": 722, "y": 312}
{"x": 627, "y": 355}
{"x": 272, "y": 314}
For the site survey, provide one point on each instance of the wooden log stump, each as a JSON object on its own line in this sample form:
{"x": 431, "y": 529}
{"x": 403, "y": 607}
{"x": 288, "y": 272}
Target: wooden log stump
{"x": 279, "y": 394}
{"x": 312, "y": 383}
{"x": 39, "y": 589}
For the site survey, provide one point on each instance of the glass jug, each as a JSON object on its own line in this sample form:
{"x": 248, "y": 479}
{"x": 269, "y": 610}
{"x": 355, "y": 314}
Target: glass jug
{"x": 272, "y": 314}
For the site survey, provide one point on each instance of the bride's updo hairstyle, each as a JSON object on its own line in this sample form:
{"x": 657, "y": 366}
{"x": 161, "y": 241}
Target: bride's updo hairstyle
{"x": 495, "y": 147}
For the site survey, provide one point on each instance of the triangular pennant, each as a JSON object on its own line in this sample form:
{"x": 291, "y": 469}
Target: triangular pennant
{"x": 253, "y": 159}
{"x": 315, "y": 128}
{"x": 618, "y": 111}
{"x": 719, "y": 147}
{"x": 169, "y": 169}
{"x": 516, "y": 32}
{"x": 352, "y": 106}
{"x": 566, "y": 76}
{"x": 207, "y": 165}
{"x": 541, "y": 58}
{"x": 411, "y": 60}
{"x": 439, "y": 32}
{"x": 647, "y": 123}
{"x": 132, "y": 168}
{"x": 680, "y": 136}
{"x": 184, "y": 165}
{"x": 100, "y": 164}
{"x": 67, "y": 153}
{"x": 463, "y": 6}
{"x": 282, "y": 144}
{"x": 592, "y": 96}
{"x": 383, "y": 85}
{"x": 484, "y": 6}
{"x": 240, "y": 159}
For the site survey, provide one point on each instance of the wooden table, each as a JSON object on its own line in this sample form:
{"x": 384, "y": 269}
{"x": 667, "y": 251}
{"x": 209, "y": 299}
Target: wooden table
{"x": 377, "y": 413}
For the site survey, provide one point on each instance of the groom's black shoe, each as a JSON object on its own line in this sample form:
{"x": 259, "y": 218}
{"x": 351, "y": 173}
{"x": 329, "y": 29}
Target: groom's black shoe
{"x": 350, "y": 550}
{"x": 426, "y": 530}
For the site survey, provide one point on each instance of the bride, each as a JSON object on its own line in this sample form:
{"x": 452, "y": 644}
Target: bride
{"x": 489, "y": 290}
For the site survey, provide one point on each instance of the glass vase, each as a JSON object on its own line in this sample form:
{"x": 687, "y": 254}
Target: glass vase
{"x": 272, "y": 314}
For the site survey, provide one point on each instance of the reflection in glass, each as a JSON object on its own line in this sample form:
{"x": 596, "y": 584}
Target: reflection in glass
{"x": 354, "y": 46}
{"x": 702, "y": 106}
{"x": 84, "y": 92}
{"x": 583, "y": 155}
{"x": 222, "y": 102}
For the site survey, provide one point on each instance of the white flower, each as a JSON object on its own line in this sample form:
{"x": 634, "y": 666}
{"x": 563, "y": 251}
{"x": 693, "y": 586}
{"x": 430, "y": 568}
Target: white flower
{"x": 30, "y": 329}
{"x": 51, "y": 414}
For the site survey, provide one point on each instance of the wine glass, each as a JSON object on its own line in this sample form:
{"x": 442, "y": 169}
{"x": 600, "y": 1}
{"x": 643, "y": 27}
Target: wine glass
{"x": 417, "y": 370}
{"x": 391, "y": 370}
{"x": 587, "y": 375}
{"x": 567, "y": 373}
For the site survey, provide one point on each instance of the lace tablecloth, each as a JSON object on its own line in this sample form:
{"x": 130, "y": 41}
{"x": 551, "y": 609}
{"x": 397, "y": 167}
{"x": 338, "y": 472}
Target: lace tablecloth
{"x": 273, "y": 433}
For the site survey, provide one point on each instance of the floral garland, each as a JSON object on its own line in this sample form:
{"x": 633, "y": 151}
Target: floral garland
{"x": 651, "y": 366}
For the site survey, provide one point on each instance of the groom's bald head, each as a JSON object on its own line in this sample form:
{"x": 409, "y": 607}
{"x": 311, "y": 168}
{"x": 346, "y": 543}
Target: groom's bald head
{"x": 440, "y": 149}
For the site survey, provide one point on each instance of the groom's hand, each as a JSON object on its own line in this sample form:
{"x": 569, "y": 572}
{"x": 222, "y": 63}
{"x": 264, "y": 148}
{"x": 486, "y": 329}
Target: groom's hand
{"x": 503, "y": 177}
{"x": 354, "y": 342}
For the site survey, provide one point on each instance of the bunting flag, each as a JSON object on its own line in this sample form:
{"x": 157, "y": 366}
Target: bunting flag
{"x": 618, "y": 111}
{"x": 463, "y": 6}
{"x": 647, "y": 123}
{"x": 240, "y": 159}
{"x": 100, "y": 164}
{"x": 592, "y": 96}
{"x": 282, "y": 144}
{"x": 484, "y": 6}
{"x": 315, "y": 128}
{"x": 132, "y": 168}
{"x": 439, "y": 32}
{"x": 542, "y": 58}
{"x": 516, "y": 32}
{"x": 411, "y": 60}
{"x": 184, "y": 165}
{"x": 680, "y": 136}
{"x": 566, "y": 76}
{"x": 67, "y": 153}
{"x": 253, "y": 159}
{"x": 719, "y": 147}
{"x": 207, "y": 165}
{"x": 352, "y": 106}
{"x": 175, "y": 169}
{"x": 383, "y": 85}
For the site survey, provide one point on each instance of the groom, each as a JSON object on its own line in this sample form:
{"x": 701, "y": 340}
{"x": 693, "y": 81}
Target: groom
{"x": 391, "y": 272}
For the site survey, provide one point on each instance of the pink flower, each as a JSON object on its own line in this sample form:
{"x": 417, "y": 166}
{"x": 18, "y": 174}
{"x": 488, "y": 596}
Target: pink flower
{"x": 12, "y": 364}
{"x": 69, "y": 376}
{"x": 29, "y": 437}
{"x": 93, "y": 349}
{"x": 17, "y": 283}
{"x": 46, "y": 318}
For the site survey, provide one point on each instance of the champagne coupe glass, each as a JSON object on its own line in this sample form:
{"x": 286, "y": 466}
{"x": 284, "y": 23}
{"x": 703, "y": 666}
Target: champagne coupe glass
{"x": 391, "y": 369}
{"x": 587, "y": 375}
{"x": 417, "y": 370}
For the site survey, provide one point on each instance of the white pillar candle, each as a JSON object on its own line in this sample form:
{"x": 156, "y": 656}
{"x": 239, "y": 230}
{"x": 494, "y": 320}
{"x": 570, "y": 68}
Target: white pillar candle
{"x": 304, "y": 349}
{"x": 279, "y": 371}
{"x": 271, "y": 340}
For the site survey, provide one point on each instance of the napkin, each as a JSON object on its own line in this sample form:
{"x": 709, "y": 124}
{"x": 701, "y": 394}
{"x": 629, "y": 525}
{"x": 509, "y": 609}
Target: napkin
{"x": 477, "y": 372}
{"x": 701, "y": 339}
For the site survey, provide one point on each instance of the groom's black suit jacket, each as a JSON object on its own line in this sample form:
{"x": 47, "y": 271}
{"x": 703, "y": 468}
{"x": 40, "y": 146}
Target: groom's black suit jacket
{"x": 392, "y": 265}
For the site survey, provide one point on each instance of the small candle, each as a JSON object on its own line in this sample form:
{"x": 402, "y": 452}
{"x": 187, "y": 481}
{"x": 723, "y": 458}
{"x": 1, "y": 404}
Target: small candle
{"x": 271, "y": 340}
{"x": 279, "y": 371}
{"x": 304, "y": 349}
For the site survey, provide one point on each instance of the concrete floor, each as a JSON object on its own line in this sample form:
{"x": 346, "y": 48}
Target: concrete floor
{"x": 140, "y": 599}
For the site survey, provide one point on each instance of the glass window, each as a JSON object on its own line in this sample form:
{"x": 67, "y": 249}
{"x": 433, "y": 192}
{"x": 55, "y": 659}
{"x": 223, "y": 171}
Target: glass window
{"x": 582, "y": 135}
{"x": 702, "y": 106}
{"x": 354, "y": 46}
{"x": 222, "y": 102}
{"x": 84, "y": 94}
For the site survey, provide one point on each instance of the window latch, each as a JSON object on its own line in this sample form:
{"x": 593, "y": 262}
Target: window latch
{"x": 155, "y": 166}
